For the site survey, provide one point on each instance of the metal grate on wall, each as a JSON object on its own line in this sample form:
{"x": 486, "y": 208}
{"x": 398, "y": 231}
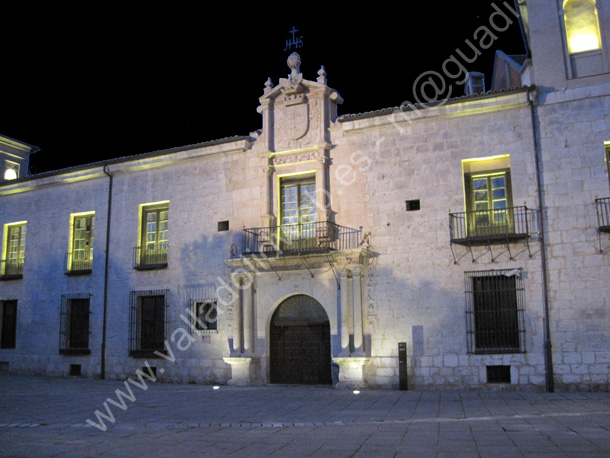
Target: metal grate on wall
{"x": 495, "y": 304}
{"x": 204, "y": 316}
{"x": 74, "y": 327}
{"x": 147, "y": 322}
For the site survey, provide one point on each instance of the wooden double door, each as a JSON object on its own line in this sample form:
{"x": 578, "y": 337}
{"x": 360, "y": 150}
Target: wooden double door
{"x": 300, "y": 350}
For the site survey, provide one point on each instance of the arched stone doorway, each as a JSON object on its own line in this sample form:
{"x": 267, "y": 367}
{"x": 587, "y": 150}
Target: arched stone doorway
{"x": 300, "y": 343}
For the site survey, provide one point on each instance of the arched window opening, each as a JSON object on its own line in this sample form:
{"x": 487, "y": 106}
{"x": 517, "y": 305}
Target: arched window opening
{"x": 582, "y": 25}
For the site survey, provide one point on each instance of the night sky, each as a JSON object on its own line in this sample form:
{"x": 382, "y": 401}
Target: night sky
{"x": 85, "y": 86}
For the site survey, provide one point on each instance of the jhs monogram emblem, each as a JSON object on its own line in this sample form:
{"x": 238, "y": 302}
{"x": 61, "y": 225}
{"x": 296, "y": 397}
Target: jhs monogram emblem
{"x": 297, "y": 42}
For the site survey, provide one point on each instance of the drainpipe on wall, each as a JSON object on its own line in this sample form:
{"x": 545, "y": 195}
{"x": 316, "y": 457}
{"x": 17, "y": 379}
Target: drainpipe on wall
{"x": 105, "y": 306}
{"x": 548, "y": 347}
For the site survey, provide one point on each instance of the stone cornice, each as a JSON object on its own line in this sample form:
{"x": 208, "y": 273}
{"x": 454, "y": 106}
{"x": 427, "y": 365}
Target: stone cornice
{"x": 127, "y": 164}
{"x": 260, "y": 263}
{"x": 399, "y": 117}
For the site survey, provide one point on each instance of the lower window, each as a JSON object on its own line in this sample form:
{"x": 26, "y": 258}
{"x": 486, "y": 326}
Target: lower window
{"x": 8, "y": 330}
{"x": 494, "y": 311}
{"x": 147, "y": 327}
{"x": 205, "y": 316}
{"x": 74, "y": 324}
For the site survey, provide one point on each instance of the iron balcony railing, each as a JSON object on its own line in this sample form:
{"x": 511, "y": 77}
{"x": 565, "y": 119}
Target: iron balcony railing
{"x": 313, "y": 237}
{"x": 603, "y": 214}
{"x": 11, "y": 268}
{"x": 489, "y": 226}
{"x": 80, "y": 261}
{"x": 150, "y": 258}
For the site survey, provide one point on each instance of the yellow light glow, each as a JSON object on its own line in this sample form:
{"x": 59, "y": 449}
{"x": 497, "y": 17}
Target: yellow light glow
{"x": 489, "y": 158}
{"x": 582, "y": 25}
{"x": 10, "y": 174}
{"x": 584, "y": 42}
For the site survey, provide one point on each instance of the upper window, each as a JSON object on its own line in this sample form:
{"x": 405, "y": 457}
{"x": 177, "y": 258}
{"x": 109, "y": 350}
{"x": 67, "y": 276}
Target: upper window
{"x": 152, "y": 252}
{"x": 298, "y": 209}
{"x": 487, "y": 184}
{"x": 14, "y": 250}
{"x": 8, "y": 327}
{"x": 80, "y": 258}
{"x": 11, "y": 170}
{"x": 582, "y": 25}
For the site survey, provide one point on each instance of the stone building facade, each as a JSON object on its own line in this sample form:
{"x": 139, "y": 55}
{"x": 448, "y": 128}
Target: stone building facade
{"x": 473, "y": 230}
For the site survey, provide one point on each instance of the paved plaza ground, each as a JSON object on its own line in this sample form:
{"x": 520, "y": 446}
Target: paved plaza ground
{"x": 47, "y": 417}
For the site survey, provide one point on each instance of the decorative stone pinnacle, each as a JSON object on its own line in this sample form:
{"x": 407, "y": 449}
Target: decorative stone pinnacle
{"x": 322, "y": 75}
{"x": 294, "y": 63}
{"x": 268, "y": 85}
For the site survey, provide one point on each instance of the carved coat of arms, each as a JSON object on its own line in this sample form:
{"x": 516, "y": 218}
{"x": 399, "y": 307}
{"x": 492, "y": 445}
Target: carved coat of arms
{"x": 296, "y": 120}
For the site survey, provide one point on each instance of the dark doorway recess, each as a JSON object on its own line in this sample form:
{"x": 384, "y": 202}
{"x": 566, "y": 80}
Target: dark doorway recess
{"x": 300, "y": 343}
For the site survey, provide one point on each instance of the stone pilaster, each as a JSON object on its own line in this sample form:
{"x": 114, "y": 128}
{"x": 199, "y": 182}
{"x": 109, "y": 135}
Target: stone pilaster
{"x": 357, "y": 311}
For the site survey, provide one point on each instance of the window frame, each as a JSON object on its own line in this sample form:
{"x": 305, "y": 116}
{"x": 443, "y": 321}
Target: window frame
{"x": 608, "y": 160}
{"x": 488, "y": 331}
{"x": 158, "y": 256}
{"x": 198, "y": 316}
{"x": 11, "y": 269}
{"x": 303, "y": 232}
{"x": 568, "y": 32}
{"x": 475, "y": 229}
{"x": 84, "y": 266}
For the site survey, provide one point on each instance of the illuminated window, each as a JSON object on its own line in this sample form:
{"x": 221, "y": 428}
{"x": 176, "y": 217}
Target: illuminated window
{"x": 298, "y": 208}
{"x": 582, "y": 25}
{"x": 10, "y": 174}
{"x": 11, "y": 171}
{"x": 154, "y": 236}
{"x": 81, "y": 256}
{"x": 14, "y": 250}
{"x": 488, "y": 196}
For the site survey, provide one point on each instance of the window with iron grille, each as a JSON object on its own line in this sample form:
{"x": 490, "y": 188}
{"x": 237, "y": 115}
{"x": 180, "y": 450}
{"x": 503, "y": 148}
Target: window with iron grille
{"x": 8, "y": 328}
{"x": 494, "y": 311}
{"x": 205, "y": 316}
{"x": 74, "y": 324}
{"x": 147, "y": 323}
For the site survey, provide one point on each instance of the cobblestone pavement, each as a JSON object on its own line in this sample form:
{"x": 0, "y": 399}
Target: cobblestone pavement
{"x": 56, "y": 417}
